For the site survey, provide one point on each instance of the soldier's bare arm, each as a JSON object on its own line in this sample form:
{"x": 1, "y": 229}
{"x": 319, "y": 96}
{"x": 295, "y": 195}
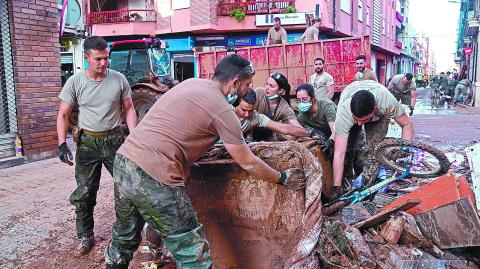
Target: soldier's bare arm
{"x": 242, "y": 155}
{"x": 331, "y": 91}
{"x": 331, "y": 124}
{"x": 130, "y": 114}
{"x": 339, "y": 159}
{"x": 287, "y": 129}
{"x": 62, "y": 121}
{"x": 414, "y": 99}
{"x": 407, "y": 126}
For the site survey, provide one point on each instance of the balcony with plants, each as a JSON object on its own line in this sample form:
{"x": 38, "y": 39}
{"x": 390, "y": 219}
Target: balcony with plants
{"x": 122, "y": 17}
{"x": 240, "y": 9}
{"x": 122, "y": 11}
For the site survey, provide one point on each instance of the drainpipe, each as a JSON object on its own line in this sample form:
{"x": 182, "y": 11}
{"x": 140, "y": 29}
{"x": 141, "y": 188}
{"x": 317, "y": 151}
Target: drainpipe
{"x": 334, "y": 15}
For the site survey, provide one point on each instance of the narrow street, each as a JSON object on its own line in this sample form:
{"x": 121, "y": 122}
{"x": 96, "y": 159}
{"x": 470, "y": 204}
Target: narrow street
{"x": 37, "y": 222}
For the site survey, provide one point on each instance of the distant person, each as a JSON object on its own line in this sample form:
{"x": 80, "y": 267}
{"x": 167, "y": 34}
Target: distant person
{"x": 451, "y": 84}
{"x": 312, "y": 32}
{"x": 404, "y": 89}
{"x": 277, "y": 34}
{"x": 322, "y": 81}
{"x": 363, "y": 72}
{"x": 462, "y": 88}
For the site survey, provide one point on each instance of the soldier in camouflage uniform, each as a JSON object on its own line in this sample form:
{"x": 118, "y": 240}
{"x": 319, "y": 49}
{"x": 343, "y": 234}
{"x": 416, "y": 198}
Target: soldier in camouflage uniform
{"x": 451, "y": 83}
{"x": 153, "y": 164}
{"x": 370, "y": 104}
{"x": 100, "y": 93}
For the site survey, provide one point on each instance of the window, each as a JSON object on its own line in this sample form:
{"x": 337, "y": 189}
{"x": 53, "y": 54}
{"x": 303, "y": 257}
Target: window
{"x": 360, "y": 10}
{"x": 346, "y": 5}
{"x": 179, "y": 4}
{"x": 383, "y": 26}
{"x": 368, "y": 16}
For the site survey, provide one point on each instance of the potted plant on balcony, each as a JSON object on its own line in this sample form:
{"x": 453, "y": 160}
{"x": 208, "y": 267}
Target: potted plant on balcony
{"x": 135, "y": 17}
{"x": 238, "y": 13}
{"x": 290, "y": 9}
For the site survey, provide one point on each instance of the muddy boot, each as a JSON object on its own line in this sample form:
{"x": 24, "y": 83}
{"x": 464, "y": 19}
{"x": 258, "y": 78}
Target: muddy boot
{"x": 86, "y": 244}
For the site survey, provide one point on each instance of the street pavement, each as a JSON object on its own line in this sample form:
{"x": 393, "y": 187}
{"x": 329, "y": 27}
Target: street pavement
{"x": 37, "y": 222}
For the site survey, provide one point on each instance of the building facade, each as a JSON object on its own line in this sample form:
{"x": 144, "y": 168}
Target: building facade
{"x": 29, "y": 77}
{"x": 203, "y": 25}
{"x": 467, "y": 54}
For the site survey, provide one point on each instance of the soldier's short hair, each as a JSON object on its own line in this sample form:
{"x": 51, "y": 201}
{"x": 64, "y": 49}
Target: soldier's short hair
{"x": 308, "y": 88}
{"x": 409, "y": 76}
{"x": 94, "y": 43}
{"x": 232, "y": 66}
{"x": 277, "y": 19}
{"x": 250, "y": 97}
{"x": 361, "y": 57}
{"x": 319, "y": 59}
{"x": 362, "y": 104}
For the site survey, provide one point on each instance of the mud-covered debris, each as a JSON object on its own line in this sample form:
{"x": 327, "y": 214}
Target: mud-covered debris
{"x": 392, "y": 230}
{"x": 361, "y": 250}
{"x": 385, "y": 214}
{"x": 354, "y": 213}
{"x": 451, "y": 226}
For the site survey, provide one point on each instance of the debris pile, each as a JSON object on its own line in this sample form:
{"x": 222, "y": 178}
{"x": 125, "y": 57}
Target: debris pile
{"x": 422, "y": 229}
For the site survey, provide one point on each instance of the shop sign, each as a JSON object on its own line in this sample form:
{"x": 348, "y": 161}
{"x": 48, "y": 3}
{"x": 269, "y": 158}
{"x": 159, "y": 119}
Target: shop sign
{"x": 286, "y": 19}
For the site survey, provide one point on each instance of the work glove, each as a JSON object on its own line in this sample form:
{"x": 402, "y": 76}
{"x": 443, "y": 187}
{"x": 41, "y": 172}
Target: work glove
{"x": 327, "y": 145}
{"x": 65, "y": 154}
{"x": 293, "y": 178}
{"x": 411, "y": 111}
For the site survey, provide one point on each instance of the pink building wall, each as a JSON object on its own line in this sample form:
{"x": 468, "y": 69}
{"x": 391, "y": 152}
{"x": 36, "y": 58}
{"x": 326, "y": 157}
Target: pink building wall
{"x": 348, "y": 24}
{"x": 201, "y": 17}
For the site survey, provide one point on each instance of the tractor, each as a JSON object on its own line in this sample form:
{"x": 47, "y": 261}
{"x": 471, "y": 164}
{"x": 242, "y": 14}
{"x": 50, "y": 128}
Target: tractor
{"x": 146, "y": 65}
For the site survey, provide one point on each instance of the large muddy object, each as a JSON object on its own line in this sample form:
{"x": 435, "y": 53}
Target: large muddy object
{"x": 251, "y": 223}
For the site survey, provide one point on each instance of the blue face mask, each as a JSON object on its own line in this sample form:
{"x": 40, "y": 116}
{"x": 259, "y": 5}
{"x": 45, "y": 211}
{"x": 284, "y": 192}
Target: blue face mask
{"x": 304, "y": 107}
{"x": 273, "y": 97}
{"x": 231, "y": 98}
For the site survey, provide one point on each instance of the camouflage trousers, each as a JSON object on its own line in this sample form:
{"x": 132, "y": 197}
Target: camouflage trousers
{"x": 459, "y": 89}
{"x": 138, "y": 199}
{"x": 363, "y": 158}
{"x": 405, "y": 98}
{"x": 91, "y": 153}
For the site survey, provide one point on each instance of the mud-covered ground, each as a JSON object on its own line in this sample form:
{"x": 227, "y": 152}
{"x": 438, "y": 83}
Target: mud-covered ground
{"x": 37, "y": 222}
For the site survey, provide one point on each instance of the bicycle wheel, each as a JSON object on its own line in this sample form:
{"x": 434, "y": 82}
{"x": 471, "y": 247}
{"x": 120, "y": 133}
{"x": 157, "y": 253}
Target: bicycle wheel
{"x": 424, "y": 161}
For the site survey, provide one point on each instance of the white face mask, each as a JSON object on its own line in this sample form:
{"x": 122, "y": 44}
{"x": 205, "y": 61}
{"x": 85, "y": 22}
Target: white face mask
{"x": 273, "y": 97}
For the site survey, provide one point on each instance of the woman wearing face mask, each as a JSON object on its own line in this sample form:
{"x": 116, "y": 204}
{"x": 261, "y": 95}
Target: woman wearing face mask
{"x": 317, "y": 114}
{"x": 273, "y": 101}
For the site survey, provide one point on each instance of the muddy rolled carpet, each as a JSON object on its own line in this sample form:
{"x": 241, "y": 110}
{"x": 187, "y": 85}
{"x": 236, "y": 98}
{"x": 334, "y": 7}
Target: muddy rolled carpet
{"x": 251, "y": 223}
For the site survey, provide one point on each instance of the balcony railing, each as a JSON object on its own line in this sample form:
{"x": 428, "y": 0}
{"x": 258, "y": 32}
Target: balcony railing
{"x": 255, "y": 7}
{"x": 116, "y": 16}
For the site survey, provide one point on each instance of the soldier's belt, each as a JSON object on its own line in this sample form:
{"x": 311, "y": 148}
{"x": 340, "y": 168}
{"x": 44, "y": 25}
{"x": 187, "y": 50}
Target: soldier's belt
{"x": 102, "y": 133}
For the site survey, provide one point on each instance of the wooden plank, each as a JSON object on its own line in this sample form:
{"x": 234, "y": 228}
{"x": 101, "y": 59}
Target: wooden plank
{"x": 439, "y": 192}
{"x": 384, "y": 215}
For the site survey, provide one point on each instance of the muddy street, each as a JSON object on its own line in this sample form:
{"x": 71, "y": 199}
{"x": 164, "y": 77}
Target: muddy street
{"x": 37, "y": 222}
